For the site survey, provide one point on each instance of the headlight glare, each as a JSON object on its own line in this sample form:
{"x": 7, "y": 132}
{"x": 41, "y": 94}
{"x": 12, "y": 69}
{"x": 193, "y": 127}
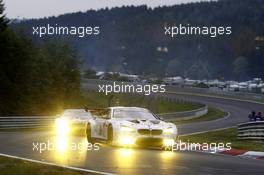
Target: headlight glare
{"x": 168, "y": 142}
{"x": 126, "y": 141}
{"x": 168, "y": 131}
{"x": 62, "y": 126}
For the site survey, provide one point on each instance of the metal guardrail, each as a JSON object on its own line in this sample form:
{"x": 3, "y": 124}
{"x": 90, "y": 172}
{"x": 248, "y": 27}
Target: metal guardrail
{"x": 251, "y": 130}
{"x": 186, "y": 115}
{"x": 21, "y": 122}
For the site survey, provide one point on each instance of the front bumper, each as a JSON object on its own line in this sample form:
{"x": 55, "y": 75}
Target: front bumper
{"x": 128, "y": 139}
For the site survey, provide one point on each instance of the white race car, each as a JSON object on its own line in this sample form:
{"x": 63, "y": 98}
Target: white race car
{"x": 130, "y": 126}
{"x": 72, "y": 121}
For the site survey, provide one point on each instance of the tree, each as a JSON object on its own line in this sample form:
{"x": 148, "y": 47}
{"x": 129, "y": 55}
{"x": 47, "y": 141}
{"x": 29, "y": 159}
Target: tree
{"x": 3, "y": 20}
{"x": 134, "y": 35}
{"x": 174, "y": 67}
{"x": 90, "y": 73}
{"x": 35, "y": 80}
{"x": 241, "y": 67}
{"x": 64, "y": 74}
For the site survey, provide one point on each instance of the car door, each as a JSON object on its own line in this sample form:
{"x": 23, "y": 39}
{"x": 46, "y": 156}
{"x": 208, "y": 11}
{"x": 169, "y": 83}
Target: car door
{"x": 101, "y": 124}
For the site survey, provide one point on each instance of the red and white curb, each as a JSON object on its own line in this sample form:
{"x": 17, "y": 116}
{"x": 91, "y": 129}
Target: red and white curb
{"x": 243, "y": 153}
{"x": 254, "y": 155}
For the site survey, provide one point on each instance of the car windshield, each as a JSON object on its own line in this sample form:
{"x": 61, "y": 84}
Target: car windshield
{"x": 134, "y": 114}
{"x": 100, "y": 113}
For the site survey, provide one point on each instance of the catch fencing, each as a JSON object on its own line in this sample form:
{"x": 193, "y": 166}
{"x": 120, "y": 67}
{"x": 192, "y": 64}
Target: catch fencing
{"x": 251, "y": 130}
{"x": 24, "y": 122}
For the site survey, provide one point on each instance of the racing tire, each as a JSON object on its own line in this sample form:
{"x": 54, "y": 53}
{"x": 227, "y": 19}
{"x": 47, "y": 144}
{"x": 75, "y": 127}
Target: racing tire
{"x": 110, "y": 134}
{"x": 167, "y": 148}
{"x": 89, "y": 135}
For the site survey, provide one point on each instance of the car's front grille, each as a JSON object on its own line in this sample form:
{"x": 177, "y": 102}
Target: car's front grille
{"x": 149, "y": 142}
{"x": 144, "y": 131}
{"x": 156, "y": 132}
{"x": 150, "y": 132}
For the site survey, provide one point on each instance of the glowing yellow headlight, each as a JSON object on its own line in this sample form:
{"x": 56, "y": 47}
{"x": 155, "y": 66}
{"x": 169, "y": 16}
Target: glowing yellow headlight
{"x": 126, "y": 141}
{"x": 62, "y": 126}
{"x": 168, "y": 142}
{"x": 168, "y": 131}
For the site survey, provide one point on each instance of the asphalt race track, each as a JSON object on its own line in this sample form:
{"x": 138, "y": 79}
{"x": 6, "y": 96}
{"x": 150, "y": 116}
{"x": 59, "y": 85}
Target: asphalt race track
{"x": 238, "y": 112}
{"x": 142, "y": 161}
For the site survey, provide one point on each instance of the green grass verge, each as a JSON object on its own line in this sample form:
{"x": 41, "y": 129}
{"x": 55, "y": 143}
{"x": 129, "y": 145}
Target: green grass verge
{"x": 10, "y": 166}
{"x": 212, "y": 114}
{"x": 157, "y": 105}
{"x": 225, "y": 136}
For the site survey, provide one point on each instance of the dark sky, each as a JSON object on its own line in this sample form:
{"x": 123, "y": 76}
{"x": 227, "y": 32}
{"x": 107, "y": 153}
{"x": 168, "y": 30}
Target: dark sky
{"x": 41, "y": 8}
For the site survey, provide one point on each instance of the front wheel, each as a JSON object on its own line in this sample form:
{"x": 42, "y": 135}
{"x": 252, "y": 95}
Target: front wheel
{"x": 89, "y": 134}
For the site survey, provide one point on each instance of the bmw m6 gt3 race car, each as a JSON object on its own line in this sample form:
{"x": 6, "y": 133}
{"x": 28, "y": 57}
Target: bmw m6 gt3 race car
{"x": 130, "y": 126}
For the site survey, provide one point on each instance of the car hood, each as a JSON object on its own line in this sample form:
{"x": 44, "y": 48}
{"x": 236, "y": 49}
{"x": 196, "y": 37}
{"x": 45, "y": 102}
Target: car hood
{"x": 146, "y": 124}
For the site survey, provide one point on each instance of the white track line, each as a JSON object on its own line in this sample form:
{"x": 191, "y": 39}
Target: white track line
{"x": 223, "y": 118}
{"x": 57, "y": 165}
{"x": 219, "y": 129}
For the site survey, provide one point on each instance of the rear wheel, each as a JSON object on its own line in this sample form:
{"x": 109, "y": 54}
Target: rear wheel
{"x": 110, "y": 134}
{"x": 88, "y": 134}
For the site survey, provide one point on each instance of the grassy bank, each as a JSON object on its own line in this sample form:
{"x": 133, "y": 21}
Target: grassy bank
{"x": 225, "y": 136}
{"x": 212, "y": 114}
{"x": 10, "y": 166}
{"x": 157, "y": 105}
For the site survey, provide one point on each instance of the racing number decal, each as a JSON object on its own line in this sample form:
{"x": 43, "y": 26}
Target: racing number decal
{"x": 101, "y": 128}
{"x": 98, "y": 129}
